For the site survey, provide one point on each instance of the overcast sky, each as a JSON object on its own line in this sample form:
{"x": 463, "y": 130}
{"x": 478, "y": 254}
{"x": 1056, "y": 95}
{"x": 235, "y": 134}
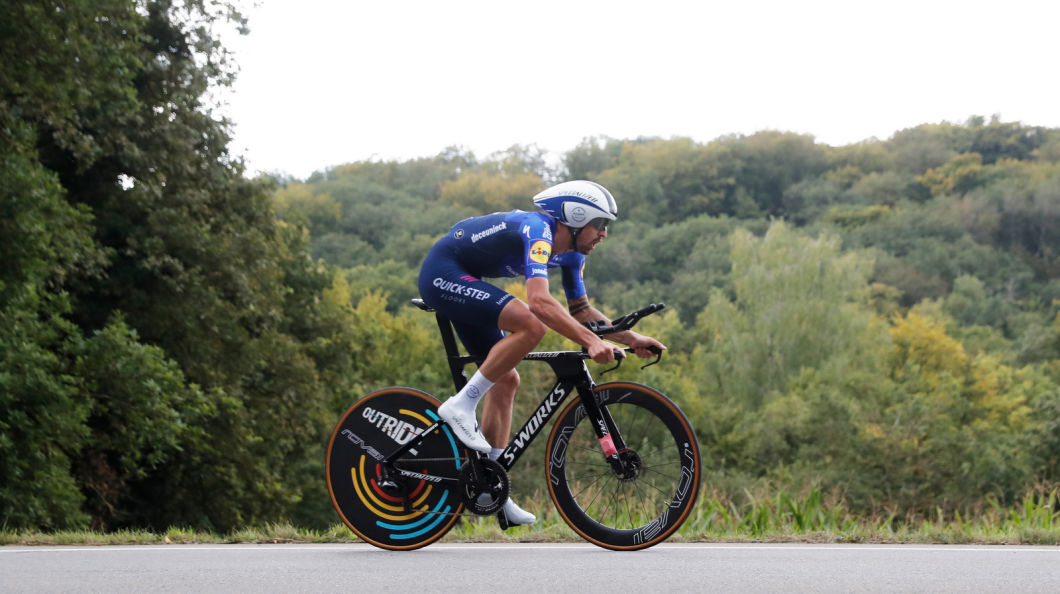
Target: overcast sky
{"x": 327, "y": 82}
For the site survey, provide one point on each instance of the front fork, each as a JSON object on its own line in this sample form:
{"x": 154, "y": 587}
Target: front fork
{"x": 612, "y": 446}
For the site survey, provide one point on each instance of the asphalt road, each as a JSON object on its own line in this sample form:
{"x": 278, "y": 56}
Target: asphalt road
{"x": 581, "y": 568}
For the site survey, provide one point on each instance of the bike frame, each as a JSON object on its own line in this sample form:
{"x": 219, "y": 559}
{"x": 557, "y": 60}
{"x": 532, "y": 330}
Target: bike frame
{"x": 571, "y": 376}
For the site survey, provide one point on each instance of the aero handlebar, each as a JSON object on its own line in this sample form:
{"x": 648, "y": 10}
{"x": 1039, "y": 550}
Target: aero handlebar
{"x": 623, "y": 323}
{"x": 626, "y": 322}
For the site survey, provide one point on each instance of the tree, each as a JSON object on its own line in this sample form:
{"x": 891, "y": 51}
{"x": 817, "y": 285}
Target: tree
{"x": 771, "y": 162}
{"x": 53, "y": 72}
{"x": 796, "y": 305}
{"x": 948, "y": 430}
{"x": 962, "y": 174}
{"x": 486, "y": 192}
{"x": 591, "y": 157}
{"x": 153, "y": 297}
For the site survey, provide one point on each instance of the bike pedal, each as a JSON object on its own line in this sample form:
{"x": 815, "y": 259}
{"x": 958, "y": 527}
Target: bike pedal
{"x": 503, "y": 520}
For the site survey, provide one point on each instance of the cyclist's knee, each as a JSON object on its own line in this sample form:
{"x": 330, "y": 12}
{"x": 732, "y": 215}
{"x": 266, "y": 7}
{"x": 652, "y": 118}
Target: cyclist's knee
{"x": 508, "y": 383}
{"x": 537, "y": 330}
{"x": 517, "y": 318}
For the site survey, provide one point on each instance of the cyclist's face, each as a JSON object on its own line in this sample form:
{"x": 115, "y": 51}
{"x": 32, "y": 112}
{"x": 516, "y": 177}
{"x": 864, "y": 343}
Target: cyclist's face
{"x": 589, "y": 237}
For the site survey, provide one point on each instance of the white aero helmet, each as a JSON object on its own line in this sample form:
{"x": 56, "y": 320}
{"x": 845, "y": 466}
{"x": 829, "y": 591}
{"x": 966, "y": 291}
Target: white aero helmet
{"x": 578, "y": 203}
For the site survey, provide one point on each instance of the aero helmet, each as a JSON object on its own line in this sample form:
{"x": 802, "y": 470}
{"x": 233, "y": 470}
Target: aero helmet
{"x": 577, "y": 203}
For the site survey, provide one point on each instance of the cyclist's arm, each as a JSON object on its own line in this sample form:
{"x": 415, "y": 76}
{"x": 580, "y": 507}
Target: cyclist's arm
{"x": 548, "y": 310}
{"x": 581, "y": 311}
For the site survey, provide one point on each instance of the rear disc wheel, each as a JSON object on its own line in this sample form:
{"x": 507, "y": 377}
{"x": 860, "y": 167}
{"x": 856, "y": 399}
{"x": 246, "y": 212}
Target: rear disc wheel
{"x": 384, "y": 508}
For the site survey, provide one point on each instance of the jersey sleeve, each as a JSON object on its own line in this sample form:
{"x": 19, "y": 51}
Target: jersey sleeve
{"x": 537, "y": 241}
{"x": 573, "y": 283}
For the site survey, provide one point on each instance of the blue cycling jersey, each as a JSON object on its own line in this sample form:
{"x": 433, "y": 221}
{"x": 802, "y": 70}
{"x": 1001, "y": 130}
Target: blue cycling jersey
{"x": 503, "y": 244}
{"x": 515, "y": 243}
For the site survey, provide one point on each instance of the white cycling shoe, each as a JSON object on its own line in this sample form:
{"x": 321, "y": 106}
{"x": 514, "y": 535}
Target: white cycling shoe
{"x": 516, "y": 515}
{"x": 464, "y": 426}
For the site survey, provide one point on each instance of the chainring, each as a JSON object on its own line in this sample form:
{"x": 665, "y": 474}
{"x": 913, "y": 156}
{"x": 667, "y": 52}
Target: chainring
{"x": 484, "y": 486}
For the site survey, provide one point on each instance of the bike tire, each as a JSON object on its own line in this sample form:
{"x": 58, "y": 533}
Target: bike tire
{"x": 628, "y": 513}
{"x": 374, "y": 427}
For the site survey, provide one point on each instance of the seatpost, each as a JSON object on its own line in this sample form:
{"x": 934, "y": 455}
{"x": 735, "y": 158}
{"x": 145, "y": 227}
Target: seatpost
{"x": 452, "y": 353}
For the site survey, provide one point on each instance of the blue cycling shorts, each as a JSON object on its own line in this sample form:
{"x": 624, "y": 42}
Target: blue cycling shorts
{"x": 473, "y": 305}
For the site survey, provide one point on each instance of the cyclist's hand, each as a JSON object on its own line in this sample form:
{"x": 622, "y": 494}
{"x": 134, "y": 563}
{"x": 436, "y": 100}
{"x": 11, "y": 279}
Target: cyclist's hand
{"x": 643, "y": 346}
{"x": 601, "y": 352}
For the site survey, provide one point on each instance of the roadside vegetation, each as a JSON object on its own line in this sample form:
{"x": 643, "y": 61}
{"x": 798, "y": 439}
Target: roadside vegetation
{"x": 782, "y": 518}
{"x": 866, "y": 338}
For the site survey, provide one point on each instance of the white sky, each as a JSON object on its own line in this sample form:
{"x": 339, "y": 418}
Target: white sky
{"x": 327, "y": 82}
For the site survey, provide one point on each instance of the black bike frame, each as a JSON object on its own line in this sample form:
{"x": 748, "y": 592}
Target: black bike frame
{"x": 571, "y": 374}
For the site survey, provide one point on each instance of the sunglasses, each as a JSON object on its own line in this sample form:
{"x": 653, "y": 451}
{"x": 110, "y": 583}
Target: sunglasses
{"x": 599, "y": 224}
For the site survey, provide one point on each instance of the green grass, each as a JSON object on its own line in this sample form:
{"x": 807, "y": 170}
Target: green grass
{"x": 805, "y": 518}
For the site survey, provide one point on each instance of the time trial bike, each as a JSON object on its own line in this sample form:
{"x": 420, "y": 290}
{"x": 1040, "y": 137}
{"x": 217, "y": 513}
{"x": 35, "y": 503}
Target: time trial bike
{"x": 622, "y": 461}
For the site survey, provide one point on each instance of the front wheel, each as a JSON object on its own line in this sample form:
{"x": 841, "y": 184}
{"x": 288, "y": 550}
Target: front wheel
{"x": 640, "y": 494}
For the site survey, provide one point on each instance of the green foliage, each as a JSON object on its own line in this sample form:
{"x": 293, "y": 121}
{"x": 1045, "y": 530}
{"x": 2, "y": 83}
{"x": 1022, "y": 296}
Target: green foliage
{"x": 44, "y": 242}
{"x": 779, "y": 343}
{"x": 783, "y": 514}
{"x": 944, "y": 424}
{"x": 491, "y": 192}
{"x": 797, "y": 305}
{"x": 675, "y": 263}
{"x": 159, "y": 324}
{"x": 138, "y": 411}
{"x": 42, "y": 422}
{"x": 964, "y": 173}
{"x": 591, "y": 157}
{"x": 878, "y": 322}
{"x": 297, "y": 203}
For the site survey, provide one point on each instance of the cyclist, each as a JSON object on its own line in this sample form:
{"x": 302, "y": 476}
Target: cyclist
{"x": 491, "y": 323}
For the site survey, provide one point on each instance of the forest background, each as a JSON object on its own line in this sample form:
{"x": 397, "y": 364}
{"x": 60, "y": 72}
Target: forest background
{"x": 877, "y": 322}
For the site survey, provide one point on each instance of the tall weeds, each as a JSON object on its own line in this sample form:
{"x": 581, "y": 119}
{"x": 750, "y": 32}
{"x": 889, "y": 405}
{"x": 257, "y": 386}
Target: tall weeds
{"x": 811, "y": 516}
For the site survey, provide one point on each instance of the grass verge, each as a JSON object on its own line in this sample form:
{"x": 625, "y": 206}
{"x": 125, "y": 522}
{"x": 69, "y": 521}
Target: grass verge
{"x": 801, "y": 519}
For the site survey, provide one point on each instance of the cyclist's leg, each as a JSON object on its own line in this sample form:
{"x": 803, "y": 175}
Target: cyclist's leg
{"x": 497, "y": 406}
{"x": 459, "y": 411}
{"x": 496, "y": 376}
{"x": 497, "y": 409}
{"x": 525, "y": 332}
{"x": 497, "y": 427}
{"x": 474, "y": 306}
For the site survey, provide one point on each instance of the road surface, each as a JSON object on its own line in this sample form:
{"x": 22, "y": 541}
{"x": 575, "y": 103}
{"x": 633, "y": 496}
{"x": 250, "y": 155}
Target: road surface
{"x": 580, "y": 568}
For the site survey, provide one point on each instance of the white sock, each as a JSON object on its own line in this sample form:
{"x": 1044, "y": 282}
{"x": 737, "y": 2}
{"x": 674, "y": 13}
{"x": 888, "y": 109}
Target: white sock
{"x": 495, "y": 453}
{"x": 469, "y": 396}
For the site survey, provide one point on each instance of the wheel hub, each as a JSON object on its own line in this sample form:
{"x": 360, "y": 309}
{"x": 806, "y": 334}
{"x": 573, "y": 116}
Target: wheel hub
{"x": 629, "y": 465}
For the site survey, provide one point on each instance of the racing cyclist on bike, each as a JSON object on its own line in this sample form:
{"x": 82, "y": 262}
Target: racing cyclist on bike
{"x": 491, "y": 323}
